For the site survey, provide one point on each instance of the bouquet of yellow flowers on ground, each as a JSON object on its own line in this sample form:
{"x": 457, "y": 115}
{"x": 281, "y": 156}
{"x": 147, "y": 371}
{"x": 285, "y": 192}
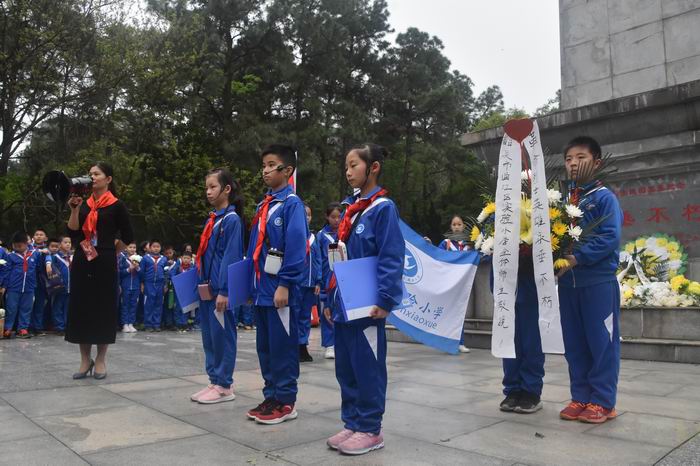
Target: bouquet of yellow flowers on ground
{"x": 658, "y": 257}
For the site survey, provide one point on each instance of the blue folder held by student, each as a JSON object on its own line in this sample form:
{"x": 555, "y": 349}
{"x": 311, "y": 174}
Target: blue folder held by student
{"x": 357, "y": 282}
{"x": 186, "y": 290}
{"x": 240, "y": 277}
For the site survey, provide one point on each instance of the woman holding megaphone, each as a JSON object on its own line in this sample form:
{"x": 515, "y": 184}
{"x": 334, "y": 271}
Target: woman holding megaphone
{"x": 100, "y": 227}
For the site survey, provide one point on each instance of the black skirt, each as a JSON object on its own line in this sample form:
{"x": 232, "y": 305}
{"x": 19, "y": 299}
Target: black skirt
{"x": 92, "y": 306}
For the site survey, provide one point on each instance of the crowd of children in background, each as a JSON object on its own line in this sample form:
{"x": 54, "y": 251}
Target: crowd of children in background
{"x": 35, "y": 285}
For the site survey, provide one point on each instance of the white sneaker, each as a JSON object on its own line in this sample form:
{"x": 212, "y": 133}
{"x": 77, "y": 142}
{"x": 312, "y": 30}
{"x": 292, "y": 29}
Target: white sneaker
{"x": 463, "y": 349}
{"x": 132, "y": 329}
{"x": 125, "y": 329}
{"x": 330, "y": 352}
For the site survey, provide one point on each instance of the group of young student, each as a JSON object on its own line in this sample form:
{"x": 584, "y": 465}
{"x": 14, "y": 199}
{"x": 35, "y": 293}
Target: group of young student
{"x": 35, "y": 283}
{"x": 293, "y": 271}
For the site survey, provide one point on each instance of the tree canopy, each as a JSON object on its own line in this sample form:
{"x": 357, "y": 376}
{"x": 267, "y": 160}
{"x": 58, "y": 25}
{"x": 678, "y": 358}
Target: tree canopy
{"x": 167, "y": 89}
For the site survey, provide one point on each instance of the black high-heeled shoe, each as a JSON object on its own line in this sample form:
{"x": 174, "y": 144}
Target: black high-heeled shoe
{"x": 100, "y": 376}
{"x": 82, "y": 375}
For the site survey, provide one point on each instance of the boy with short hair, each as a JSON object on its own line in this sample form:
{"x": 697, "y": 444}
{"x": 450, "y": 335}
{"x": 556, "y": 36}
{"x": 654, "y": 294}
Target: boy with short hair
{"x": 589, "y": 294}
{"x": 130, "y": 285}
{"x": 153, "y": 277}
{"x": 278, "y": 250}
{"x": 42, "y": 301}
{"x": 19, "y": 283}
{"x": 60, "y": 264}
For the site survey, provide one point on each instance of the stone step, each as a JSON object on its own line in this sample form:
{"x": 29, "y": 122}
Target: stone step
{"x": 477, "y": 339}
{"x": 478, "y": 324}
{"x": 647, "y": 349}
{"x": 656, "y": 349}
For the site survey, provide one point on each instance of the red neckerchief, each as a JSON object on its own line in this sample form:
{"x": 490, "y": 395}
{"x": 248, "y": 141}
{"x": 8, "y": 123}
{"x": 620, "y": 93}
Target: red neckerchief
{"x": 204, "y": 239}
{"x": 90, "y": 225}
{"x": 345, "y": 227}
{"x": 25, "y": 259}
{"x": 261, "y": 215}
{"x": 359, "y": 206}
{"x": 459, "y": 245}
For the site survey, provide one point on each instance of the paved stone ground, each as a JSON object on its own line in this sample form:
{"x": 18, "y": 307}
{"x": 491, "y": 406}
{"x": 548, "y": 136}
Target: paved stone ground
{"x": 441, "y": 410}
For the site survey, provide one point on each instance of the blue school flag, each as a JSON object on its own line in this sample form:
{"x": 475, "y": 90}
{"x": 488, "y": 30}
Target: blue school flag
{"x": 240, "y": 277}
{"x": 438, "y": 283}
{"x": 186, "y": 290}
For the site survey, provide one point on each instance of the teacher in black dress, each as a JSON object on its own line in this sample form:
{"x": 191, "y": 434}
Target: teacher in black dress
{"x": 99, "y": 228}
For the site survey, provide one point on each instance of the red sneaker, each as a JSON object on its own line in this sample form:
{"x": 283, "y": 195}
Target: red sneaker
{"x": 276, "y": 413}
{"x": 572, "y": 411}
{"x": 596, "y": 414}
{"x": 7, "y": 334}
{"x": 23, "y": 334}
{"x": 255, "y": 412}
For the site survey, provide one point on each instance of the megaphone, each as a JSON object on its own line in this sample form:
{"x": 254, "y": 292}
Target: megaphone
{"x": 58, "y": 187}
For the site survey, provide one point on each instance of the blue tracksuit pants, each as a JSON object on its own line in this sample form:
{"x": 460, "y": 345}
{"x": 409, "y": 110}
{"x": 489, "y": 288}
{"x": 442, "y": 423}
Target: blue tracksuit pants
{"x": 153, "y": 306}
{"x": 308, "y": 300}
{"x": 277, "y": 342}
{"x": 59, "y": 311}
{"x": 526, "y": 370}
{"x": 245, "y": 314}
{"x": 41, "y": 298}
{"x": 129, "y": 302}
{"x": 590, "y": 319}
{"x": 19, "y": 308}
{"x": 219, "y": 344}
{"x": 360, "y": 367}
{"x": 327, "y": 329}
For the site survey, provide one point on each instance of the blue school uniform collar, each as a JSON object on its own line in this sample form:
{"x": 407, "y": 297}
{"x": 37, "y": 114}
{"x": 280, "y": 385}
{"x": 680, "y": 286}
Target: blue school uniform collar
{"x": 228, "y": 208}
{"x": 281, "y": 194}
{"x": 352, "y": 199}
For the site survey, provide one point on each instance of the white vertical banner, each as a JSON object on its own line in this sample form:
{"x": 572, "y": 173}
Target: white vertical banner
{"x": 506, "y": 249}
{"x": 547, "y": 295}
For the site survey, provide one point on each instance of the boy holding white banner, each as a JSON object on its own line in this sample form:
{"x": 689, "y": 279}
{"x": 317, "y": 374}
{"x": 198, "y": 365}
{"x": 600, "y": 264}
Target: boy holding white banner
{"x": 589, "y": 292}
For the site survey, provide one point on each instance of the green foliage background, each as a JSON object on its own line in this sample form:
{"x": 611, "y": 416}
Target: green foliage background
{"x": 166, "y": 89}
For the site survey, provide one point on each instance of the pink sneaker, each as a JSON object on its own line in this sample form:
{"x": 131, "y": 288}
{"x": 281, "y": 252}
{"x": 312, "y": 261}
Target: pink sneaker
{"x": 360, "y": 443}
{"x": 339, "y": 438}
{"x": 217, "y": 394}
{"x": 196, "y": 396}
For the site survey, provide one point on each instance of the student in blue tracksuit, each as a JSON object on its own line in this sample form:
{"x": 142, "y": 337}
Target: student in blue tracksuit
{"x": 310, "y": 290}
{"x": 61, "y": 264}
{"x": 523, "y": 375}
{"x": 220, "y": 245}
{"x": 130, "y": 284}
{"x": 169, "y": 301}
{"x": 589, "y": 294}
{"x": 182, "y": 264}
{"x": 152, "y": 270}
{"x": 325, "y": 237}
{"x": 370, "y": 227}
{"x": 456, "y": 226}
{"x": 19, "y": 283}
{"x": 41, "y": 296}
{"x": 278, "y": 249}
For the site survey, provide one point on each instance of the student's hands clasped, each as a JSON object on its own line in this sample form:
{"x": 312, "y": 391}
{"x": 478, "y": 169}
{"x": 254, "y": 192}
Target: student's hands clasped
{"x": 221, "y": 303}
{"x": 281, "y": 298}
{"x": 572, "y": 263}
